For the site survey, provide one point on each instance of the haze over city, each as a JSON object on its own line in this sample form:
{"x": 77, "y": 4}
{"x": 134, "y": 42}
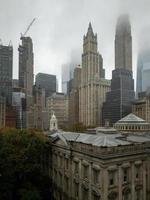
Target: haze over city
{"x": 60, "y": 25}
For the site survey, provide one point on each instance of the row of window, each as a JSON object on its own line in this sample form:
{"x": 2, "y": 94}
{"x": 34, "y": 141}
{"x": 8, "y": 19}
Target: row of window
{"x": 96, "y": 172}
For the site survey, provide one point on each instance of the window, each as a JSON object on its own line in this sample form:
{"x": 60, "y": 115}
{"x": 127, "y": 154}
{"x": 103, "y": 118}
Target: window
{"x": 126, "y": 196}
{"x": 66, "y": 184}
{"x": 60, "y": 179}
{"x": 76, "y": 167}
{"x": 111, "y": 178}
{"x": 125, "y": 175}
{"x": 85, "y": 171}
{"x": 95, "y": 197}
{"x": 138, "y": 172}
{"x": 67, "y": 164}
{"x": 76, "y": 190}
{"x": 95, "y": 176}
{"x": 138, "y": 195}
{"x": 85, "y": 194}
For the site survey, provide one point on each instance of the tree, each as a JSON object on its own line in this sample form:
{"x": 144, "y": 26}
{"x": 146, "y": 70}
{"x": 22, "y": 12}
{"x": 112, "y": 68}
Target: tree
{"x": 24, "y": 165}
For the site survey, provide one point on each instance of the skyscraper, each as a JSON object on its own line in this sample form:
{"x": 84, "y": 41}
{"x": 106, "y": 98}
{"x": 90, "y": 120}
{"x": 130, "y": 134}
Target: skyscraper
{"x": 118, "y": 100}
{"x": 6, "y": 68}
{"x": 93, "y": 85}
{"x": 143, "y": 71}
{"x": 26, "y": 62}
{"x": 47, "y": 82}
{"x": 74, "y": 97}
{"x": 123, "y": 44}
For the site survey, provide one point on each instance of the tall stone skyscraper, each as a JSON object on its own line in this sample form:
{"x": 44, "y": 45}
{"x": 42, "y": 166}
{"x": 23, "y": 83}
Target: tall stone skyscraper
{"x": 93, "y": 85}
{"x": 26, "y": 59}
{"x": 118, "y": 100}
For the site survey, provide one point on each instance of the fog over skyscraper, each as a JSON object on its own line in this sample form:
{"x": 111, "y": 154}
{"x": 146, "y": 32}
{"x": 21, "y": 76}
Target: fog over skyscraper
{"x": 143, "y": 71}
{"x": 118, "y": 100}
{"x": 123, "y": 44}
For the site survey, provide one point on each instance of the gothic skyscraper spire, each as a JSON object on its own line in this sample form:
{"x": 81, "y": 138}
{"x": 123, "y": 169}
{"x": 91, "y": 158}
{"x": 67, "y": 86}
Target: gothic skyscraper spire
{"x": 93, "y": 85}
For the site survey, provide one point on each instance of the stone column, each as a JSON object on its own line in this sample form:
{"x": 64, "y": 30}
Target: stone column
{"x": 144, "y": 180}
{"x": 90, "y": 180}
{"x": 132, "y": 181}
{"x": 104, "y": 181}
{"x": 120, "y": 182}
{"x": 80, "y": 178}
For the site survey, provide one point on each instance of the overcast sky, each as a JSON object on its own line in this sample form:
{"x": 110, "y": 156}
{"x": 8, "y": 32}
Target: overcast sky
{"x": 60, "y": 25}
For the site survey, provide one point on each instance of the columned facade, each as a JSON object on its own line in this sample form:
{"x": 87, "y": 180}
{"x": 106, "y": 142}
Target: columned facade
{"x": 86, "y": 172}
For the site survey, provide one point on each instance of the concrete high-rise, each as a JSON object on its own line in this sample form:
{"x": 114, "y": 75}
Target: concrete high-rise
{"x": 47, "y": 82}
{"x": 143, "y": 71}
{"x": 26, "y": 62}
{"x": 19, "y": 104}
{"x": 6, "y": 68}
{"x": 74, "y": 98}
{"x": 2, "y": 111}
{"x": 93, "y": 85}
{"x": 118, "y": 100}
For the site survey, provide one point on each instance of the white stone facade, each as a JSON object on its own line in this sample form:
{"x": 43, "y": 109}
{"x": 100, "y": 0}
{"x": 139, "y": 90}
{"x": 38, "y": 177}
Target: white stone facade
{"x": 93, "y": 86}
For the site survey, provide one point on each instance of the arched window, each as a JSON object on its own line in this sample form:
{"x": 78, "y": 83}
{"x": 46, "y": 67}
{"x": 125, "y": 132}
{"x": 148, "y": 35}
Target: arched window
{"x": 126, "y": 194}
{"x": 112, "y": 196}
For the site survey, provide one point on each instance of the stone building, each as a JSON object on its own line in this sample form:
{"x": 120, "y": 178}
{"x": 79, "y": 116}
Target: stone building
{"x": 119, "y": 100}
{"x": 141, "y": 106}
{"x": 93, "y": 83}
{"x": 104, "y": 166}
{"x": 47, "y": 82}
{"x": 19, "y": 104}
{"x": 58, "y": 104}
{"x": 2, "y": 111}
{"x": 74, "y": 98}
{"x": 6, "y": 69}
{"x": 39, "y": 106}
{"x": 11, "y": 117}
{"x": 132, "y": 124}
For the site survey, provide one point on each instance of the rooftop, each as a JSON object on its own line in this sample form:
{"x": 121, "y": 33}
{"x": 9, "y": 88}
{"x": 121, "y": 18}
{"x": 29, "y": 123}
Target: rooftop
{"x": 101, "y": 139}
{"x": 131, "y": 118}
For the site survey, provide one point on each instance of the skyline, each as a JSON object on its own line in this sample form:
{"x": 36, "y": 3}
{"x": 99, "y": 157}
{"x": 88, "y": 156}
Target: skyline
{"x": 57, "y": 19}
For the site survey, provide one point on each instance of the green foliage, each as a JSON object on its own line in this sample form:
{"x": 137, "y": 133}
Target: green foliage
{"x": 24, "y": 164}
{"x": 30, "y": 194}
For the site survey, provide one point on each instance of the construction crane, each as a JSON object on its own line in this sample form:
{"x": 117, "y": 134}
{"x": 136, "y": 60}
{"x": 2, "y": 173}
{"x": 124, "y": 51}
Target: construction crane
{"x": 24, "y": 34}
